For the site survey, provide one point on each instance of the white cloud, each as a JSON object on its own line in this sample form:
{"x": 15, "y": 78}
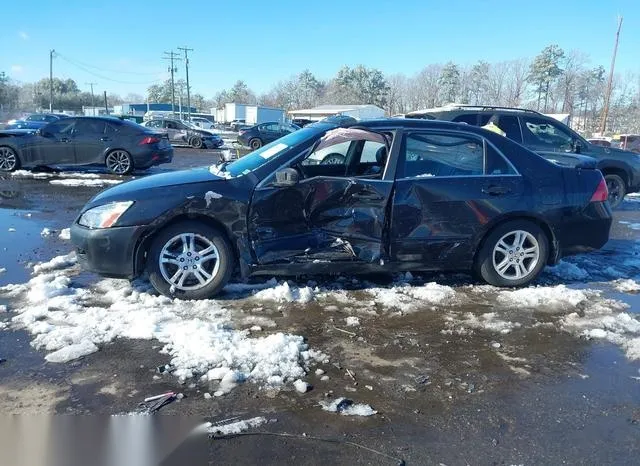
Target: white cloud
{"x": 23, "y": 35}
{"x": 17, "y": 69}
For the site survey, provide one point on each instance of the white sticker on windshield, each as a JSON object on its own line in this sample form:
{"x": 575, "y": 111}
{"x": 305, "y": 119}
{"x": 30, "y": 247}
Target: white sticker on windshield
{"x": 271, "y": 151}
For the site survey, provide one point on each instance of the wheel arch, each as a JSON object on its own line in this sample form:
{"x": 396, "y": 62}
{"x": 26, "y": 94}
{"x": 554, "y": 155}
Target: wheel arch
{"x": 144, "y": 242}
{"x": 619, "y": 168}
{"x": 554, "y": 249}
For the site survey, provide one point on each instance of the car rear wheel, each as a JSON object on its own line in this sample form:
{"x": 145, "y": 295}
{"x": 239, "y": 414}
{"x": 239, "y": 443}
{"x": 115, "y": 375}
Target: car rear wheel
{"x": 189, "y": 260}
{"x": 617, "y": 189}
{"x": 255, "y": 143}
{"x": 513, "y": 254}
{"x": 9, "y": 160}
{"x": 196, "y": 142}
{"x": 119, "y": 162}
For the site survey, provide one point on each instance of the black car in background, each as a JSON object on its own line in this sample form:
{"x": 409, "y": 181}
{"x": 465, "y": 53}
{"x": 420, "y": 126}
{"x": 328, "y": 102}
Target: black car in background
{"x": 184, "y": 133}
{"x": 406, "y": 195}
{"x": 551, "y": 139}
{"x": 119, "y": 145}
{"x": 257, "y": 136}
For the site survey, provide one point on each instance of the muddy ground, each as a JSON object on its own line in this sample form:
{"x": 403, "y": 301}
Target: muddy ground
{"x": 532, "y": 395}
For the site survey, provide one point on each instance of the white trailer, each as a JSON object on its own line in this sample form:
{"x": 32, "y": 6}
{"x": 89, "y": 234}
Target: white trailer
{"x": 219, "y": 113}
{"x": 256, "y": 114}
{"x": 233, "y": 111}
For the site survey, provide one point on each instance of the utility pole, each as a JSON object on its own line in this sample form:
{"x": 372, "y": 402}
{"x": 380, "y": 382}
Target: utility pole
{"x": 186, "y": 66}
{"x": 93, "y": 104}
{"x": 172, "y": 56}
{"x": 607, "y": 96}
{"x": 51, "y": 52}
{"x": 106, "y": 106}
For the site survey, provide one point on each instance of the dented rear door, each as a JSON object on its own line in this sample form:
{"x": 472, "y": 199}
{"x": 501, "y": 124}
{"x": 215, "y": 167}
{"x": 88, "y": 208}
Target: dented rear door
{"x": 324, "y": 218}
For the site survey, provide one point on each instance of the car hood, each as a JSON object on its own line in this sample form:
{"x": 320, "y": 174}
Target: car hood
{"x": 609, "y": 151}
{"x": 126, "y": 190}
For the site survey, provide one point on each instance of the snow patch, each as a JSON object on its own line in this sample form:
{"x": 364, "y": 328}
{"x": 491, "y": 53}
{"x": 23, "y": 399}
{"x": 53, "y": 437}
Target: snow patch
{"x": 301, "y": 386}
{"x": 234, "y": 427}
{"x": 197, "y": 335}
{"x": 352, "y": 321}
{"x": 57, "y": 262}
{"x": 65, "y": 234}
{"x": 45, "y": 232}
{"x": 210, "y": 195}
{"x": 346, "y": 407}
{"x": 74, "y": 182}
{"x": 568, "y": 271}
{"x": 488, "y": 321}
{"x": 554, "y": 298}
{"x": 626, "y": 285}
{"x": 286, "y": 293}
{"x": 408, "y": 298}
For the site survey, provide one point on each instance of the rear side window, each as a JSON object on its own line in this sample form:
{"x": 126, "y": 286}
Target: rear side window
{"x": 429, "y": 155}
{"x": 89, "y": 127}
{"x": 438, "y": 155}
{"x": 469, "y": 118}
{"x": 546, "y": 134}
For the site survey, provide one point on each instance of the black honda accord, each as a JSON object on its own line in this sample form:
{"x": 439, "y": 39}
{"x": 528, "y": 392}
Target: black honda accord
{"x": 380, "y": 195}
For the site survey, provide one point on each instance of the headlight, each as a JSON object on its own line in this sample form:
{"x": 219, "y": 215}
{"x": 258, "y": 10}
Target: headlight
{"x": 104, "y": 216}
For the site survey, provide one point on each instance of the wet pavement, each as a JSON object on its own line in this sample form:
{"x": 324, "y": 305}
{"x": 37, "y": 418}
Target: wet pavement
{"x": 449, "y": 388}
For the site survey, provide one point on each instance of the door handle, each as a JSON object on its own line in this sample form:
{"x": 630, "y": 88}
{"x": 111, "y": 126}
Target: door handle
{"x": 105, "y": 139}
{"x": 367, "y": 196}
{"x": 65, "y": 140}
{"x": 496, "y": 190}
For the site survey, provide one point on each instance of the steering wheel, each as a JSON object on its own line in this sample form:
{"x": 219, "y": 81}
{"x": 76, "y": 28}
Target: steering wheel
{"x": 333, "y": 159}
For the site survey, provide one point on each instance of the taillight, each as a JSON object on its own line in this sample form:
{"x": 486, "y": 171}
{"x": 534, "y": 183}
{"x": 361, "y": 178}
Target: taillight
{"x": 602, "y": 193}
{"x": 149, "y": 140}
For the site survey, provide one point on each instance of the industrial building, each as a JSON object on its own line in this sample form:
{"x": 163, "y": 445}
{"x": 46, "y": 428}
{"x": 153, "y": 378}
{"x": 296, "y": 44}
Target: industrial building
{"x": 360, "y": 112}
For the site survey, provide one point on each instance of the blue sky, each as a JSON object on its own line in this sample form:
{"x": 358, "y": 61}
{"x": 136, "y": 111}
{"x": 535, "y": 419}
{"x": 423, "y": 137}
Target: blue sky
{"x": 263, "y": 42}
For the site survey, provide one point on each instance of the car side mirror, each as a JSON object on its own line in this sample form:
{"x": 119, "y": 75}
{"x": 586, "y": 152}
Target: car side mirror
{"x": 286, "y": 178}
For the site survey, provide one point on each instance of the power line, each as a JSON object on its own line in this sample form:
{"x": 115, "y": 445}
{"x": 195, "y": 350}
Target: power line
{"x": 140, "y": 73}
{"x": 103, "y": 76}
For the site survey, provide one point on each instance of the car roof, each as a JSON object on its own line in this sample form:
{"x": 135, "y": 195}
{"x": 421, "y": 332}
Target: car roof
{"x": 408, "y": 123}
{"x": 472, "y": 108}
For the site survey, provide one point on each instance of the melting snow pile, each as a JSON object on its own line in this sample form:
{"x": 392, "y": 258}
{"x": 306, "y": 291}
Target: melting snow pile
{"x": 347, "y": 407}
{"x": 568, "y": 271}
{"x": 626, "y": 285}
{"x": 407, "y": 298}
{"x": 85, "y": 182}
{"x": 71, "y": 322}
{"x": 233, "y": 427}
{"x": 65, "y": 234}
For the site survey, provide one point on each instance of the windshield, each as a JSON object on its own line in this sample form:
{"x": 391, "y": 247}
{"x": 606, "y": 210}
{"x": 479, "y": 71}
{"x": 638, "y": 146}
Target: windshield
{"x": 256, "y": 159}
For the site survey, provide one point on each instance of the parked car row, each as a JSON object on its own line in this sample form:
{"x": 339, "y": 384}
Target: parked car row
{"x": 34, "y": 121}
{"x": 257, "y": 136}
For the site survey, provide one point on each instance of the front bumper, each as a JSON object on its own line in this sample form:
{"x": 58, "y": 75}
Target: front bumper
{"x": 109, "y": 251}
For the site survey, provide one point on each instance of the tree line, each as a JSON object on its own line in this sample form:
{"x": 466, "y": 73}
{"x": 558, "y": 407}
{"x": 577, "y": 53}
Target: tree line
{"x": 555, "y": 81}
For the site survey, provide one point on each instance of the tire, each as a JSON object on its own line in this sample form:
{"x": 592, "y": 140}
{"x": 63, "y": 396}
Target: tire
{"x": 503, "y": 269}
{"x": 196, "y": 142}
{"x": 617, "y": 189}
{"x": 9, "y": 160}
{"x": 119, "y": 162}
{"x": 255, "y": 144}
{"x": 333, "y": 159}
{"x": 166, "y": 258}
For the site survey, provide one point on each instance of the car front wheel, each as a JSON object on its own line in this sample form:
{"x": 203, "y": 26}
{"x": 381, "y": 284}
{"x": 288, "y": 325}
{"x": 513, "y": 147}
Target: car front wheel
{"x": 189, "y": 260}
{"x": 196, "y": 142}
{"x": 513, "y": 254}
{"x": 617, "y": 189}
{"x": 9, "y": 160}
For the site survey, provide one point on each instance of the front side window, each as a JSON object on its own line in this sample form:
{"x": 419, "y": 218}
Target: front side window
{"x": 59, "y": 127}
{"x": 154, "y": 124}
{"x": 547, "y": 134}
{"x": 469, "y": 118}
{"x": 332, "y": 155}
{"x": 171, "y": 125}
{"x": 370, "y": 152}
{"x": 89, "y": 127}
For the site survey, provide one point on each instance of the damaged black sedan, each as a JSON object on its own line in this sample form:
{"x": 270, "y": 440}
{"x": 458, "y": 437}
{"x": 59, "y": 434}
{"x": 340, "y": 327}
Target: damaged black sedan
{"x": 374, "y": 196}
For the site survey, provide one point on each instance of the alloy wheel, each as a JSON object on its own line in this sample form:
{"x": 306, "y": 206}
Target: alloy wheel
{"x": 189, "y": 261}
{"x": 8, "y": 159}
{"x": 615, "y": 189}
{"x": 516, "y": 255}
{"x": 119, "y": 162}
